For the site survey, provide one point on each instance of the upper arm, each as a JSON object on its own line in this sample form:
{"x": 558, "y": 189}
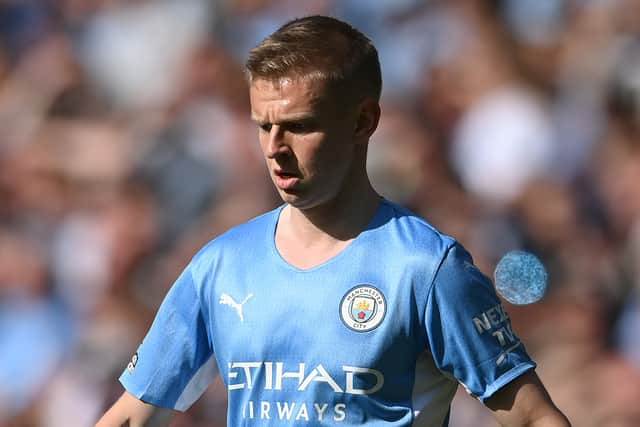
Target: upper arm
{"x": 525, "y": 402}
{"x": 175, "y": 362}
{"x": 468, "y": 330}
{"x": 135, "y": 412}
{"x": 471, "y": 338}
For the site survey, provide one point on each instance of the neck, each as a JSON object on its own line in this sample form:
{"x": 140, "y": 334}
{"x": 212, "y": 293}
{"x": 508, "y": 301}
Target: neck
{"x": 308, "y": 237}
{"x": 340, "y": 219}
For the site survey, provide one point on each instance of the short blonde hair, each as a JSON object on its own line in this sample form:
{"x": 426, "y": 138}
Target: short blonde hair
{"x": 322, "y": 48}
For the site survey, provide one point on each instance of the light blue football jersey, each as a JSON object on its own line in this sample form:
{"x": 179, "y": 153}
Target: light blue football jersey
{"x": 383, "y": 331}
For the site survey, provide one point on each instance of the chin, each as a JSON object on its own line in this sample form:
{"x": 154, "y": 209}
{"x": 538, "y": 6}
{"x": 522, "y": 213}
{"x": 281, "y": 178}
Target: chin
{"x": 302, "y": 203}
{"x": 296, "y": 202}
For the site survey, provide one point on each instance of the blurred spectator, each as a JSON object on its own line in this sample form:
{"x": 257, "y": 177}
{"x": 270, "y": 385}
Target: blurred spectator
{"x": 133, "y": 50}
{"x": 503, "y": 142}
{"x": 34, "y": 328}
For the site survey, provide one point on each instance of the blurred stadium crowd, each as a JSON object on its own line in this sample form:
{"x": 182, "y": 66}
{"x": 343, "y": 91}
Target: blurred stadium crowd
{"x": 125, "y": 144}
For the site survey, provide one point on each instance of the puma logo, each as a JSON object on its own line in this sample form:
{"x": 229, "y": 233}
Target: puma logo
{"x": 227, "y": 300}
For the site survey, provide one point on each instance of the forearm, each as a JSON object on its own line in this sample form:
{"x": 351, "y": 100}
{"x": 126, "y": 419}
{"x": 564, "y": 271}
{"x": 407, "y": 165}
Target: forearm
{"x": 525, "y": 403}
{"x": 552, "y": 419}
{"x": 129, "y": 410}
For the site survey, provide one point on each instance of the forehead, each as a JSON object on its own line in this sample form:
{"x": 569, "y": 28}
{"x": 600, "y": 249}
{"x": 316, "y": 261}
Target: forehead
{"x": 286, "y": 96}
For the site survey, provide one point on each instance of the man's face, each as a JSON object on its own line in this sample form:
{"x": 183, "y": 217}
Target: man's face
{"x": 307, "y": 138}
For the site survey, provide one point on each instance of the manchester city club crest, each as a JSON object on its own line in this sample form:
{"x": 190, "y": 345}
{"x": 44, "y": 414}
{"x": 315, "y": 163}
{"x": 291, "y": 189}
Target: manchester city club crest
{"x": 363, "y": 308}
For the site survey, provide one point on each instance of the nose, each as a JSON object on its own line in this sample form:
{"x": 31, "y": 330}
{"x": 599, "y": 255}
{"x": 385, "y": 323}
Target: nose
{"x": 276, "y": 145}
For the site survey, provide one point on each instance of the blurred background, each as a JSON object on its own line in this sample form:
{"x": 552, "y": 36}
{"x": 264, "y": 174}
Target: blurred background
{"x": 126, "y": 144}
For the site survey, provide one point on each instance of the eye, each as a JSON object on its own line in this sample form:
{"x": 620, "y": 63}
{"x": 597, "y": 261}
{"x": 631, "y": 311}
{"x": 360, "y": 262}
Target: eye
{"x": 299, "y": 127}
{"x": 296, "y": 127}
{"x": 265, "y": 127}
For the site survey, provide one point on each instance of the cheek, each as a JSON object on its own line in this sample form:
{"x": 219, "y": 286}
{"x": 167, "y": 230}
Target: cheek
{"x": 333, "y": 158}
{"x": 263, "y": 147}
{"x": 263, "y": 141}
{"x": 308, "y": 150}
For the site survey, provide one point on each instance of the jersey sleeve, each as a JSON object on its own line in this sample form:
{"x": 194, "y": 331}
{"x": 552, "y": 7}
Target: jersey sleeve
{"x": 175, "y": 363}
{"x": 469, "y": 331}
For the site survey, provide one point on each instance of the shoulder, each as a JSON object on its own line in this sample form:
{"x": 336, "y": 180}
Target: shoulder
{"x": 239, "y": 239}
{"x": 413, "y": 233}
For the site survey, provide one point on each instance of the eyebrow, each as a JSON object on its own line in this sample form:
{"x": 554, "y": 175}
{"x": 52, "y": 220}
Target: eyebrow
{"x": 291, "y": 118}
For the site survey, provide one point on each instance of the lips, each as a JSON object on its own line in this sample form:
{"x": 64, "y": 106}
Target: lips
{"x": 285, "y": 180}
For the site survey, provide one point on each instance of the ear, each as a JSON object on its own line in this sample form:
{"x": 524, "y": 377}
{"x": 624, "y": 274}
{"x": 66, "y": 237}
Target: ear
{"x": 368, "y": 119}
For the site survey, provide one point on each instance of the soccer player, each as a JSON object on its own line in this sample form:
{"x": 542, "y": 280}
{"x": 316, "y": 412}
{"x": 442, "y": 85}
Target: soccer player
{"x": 338, "y": 307}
